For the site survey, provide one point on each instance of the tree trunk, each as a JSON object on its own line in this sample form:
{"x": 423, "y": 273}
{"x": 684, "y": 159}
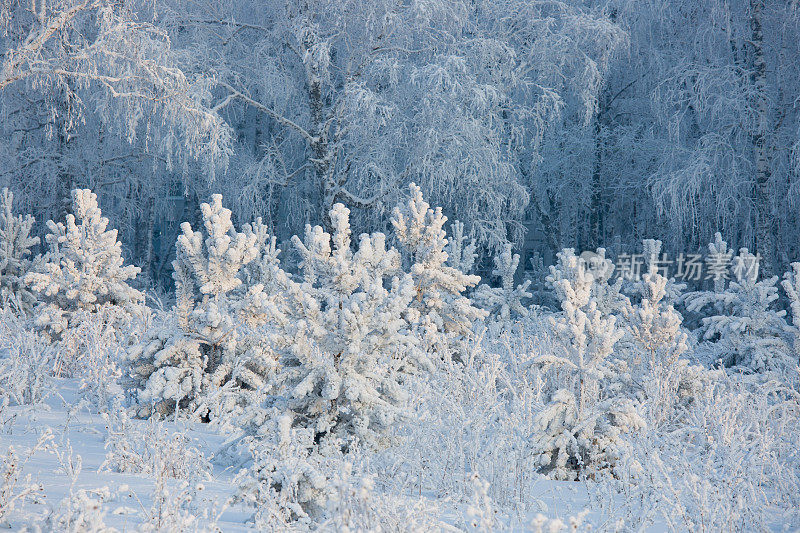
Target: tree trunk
{"x": 758, "y": 76}
{"x": 596, "y": 228}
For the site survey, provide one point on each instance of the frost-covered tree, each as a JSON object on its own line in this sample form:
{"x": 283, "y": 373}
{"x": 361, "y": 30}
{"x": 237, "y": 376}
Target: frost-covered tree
{"x": 505, "y": 301}
{"x": 719, "y": 258}
{"x": 659, "y": 376}
{"x": 460, "y": 253}
{"x": 608, "y": 295}
{"x": 445, "y": 316}
{"x": 65, "y": 47}
{"x": 743, "y": 329}
{"x": 700, "y": 109}
{"x": 16, "y": 242}
{"x": 579, "y": 432}
{"x": 791, "y": 285}
{"x": 82, "y": 271}
{"x": 353, "y": 100}
{"x": 211, "y": 336}
{"x": 656, "y": 263}
{"x": 655, "y": 325}
{"x": 345, "y": 344}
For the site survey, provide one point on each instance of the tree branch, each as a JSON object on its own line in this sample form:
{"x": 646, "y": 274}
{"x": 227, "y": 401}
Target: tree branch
{"x": 311, "y": 139}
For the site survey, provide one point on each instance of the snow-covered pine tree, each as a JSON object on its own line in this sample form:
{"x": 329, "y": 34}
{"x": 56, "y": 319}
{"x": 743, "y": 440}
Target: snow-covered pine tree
{"x": 346, "y": 344}
{"x": 719, "y": 255}
{"x": 609, "y": 296}
{"x": 791, "y": 284}
{"x": 211, "y": 338}
{"x": 743, "y": 329}
{"x": 660, "y": 378}
{"x": 460, "y": 254}
{"x": 653, "y": 262}
{"x": 445, "y": 316}
{"x": 504, "y": 302}
{"x": 266, "y": 268}
{"x": 82, "y": 271}
{"x": 15, "y": 255}
{"x": 345, "y": 349}
{"x": 579, "y": 432}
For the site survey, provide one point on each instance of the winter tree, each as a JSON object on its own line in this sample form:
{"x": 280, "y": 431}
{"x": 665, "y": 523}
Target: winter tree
{"x": 64, "y": 47}
{"x": 16, "y": 242}
{"x": 696, "y": 123}
{"x": 742, "y": 328}
{"x": 445, "y": 316}
{"x": 580, "y": 431}
{"x": 345, "y": 344}
{"x": 656, "y": 263}
{"x": 791, "y": 285}
{"x": 460, "y": 253}
{"x": 82, "y": 271}
{"x": 352, "y": 101}
{"x": 505, "y": 301}
{"x": 211, "y": 337}
{"x": 608, "y": 295}
{"x": 660, "y": 377}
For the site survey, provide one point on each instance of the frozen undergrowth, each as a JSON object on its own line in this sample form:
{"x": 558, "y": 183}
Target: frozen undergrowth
{"x": 464, "y": 464}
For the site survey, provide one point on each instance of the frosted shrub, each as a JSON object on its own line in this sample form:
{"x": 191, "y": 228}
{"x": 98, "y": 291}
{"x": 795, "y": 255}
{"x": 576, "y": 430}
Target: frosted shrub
{"x": 480, "y": 515}
{"x": 286, "y": 481}
{"x": 445, "y": 315}
{"x": 98, "y": 350}
{"x": 149, "y": 448}
{"x": 26, "y": 362}
{"x": 15, "y": 489}
{"x": 82, "y": 511}
{"x": 743, "y": 329}
{"x": 580, "y": 431}
{"x": 472, "y": 416}
{"x": 178, "y": 508}
{"x": 355, "y": 504}
{"x": 83, "y": 272}
{"x": 731, "y": 466}
{"x": 15, "y": 255}
{"x": 211, "y": 337}
{"x": 505, "y": 302}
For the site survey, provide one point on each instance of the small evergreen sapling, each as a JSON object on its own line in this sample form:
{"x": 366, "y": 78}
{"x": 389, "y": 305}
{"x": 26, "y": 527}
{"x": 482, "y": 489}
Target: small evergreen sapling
{"x": 504, "y": 302}
{"x": 15, "y": 251}
{"x": 345, "y": 350}
{"x": 662, "y": 380}
{"x": 719, "y": 258}
{"x": 445, "y": 315}
{"x": 83, "y": 271}
{"x": 460, "y": 254}
{"x": 579, "y": 432}
{"x": 345, "y": 344}
{"x": 744, "y": 330}
{"x": 212, "y": 336}
{"x": 655, "y": 262}
{"x": 791, "y": 284}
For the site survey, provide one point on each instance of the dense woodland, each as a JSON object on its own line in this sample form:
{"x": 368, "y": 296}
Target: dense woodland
{"x": 581, "y": 121}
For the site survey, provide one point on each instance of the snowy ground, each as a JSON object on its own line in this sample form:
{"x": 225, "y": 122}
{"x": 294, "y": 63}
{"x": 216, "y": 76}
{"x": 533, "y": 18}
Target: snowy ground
{"x": 80, "y": 437}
